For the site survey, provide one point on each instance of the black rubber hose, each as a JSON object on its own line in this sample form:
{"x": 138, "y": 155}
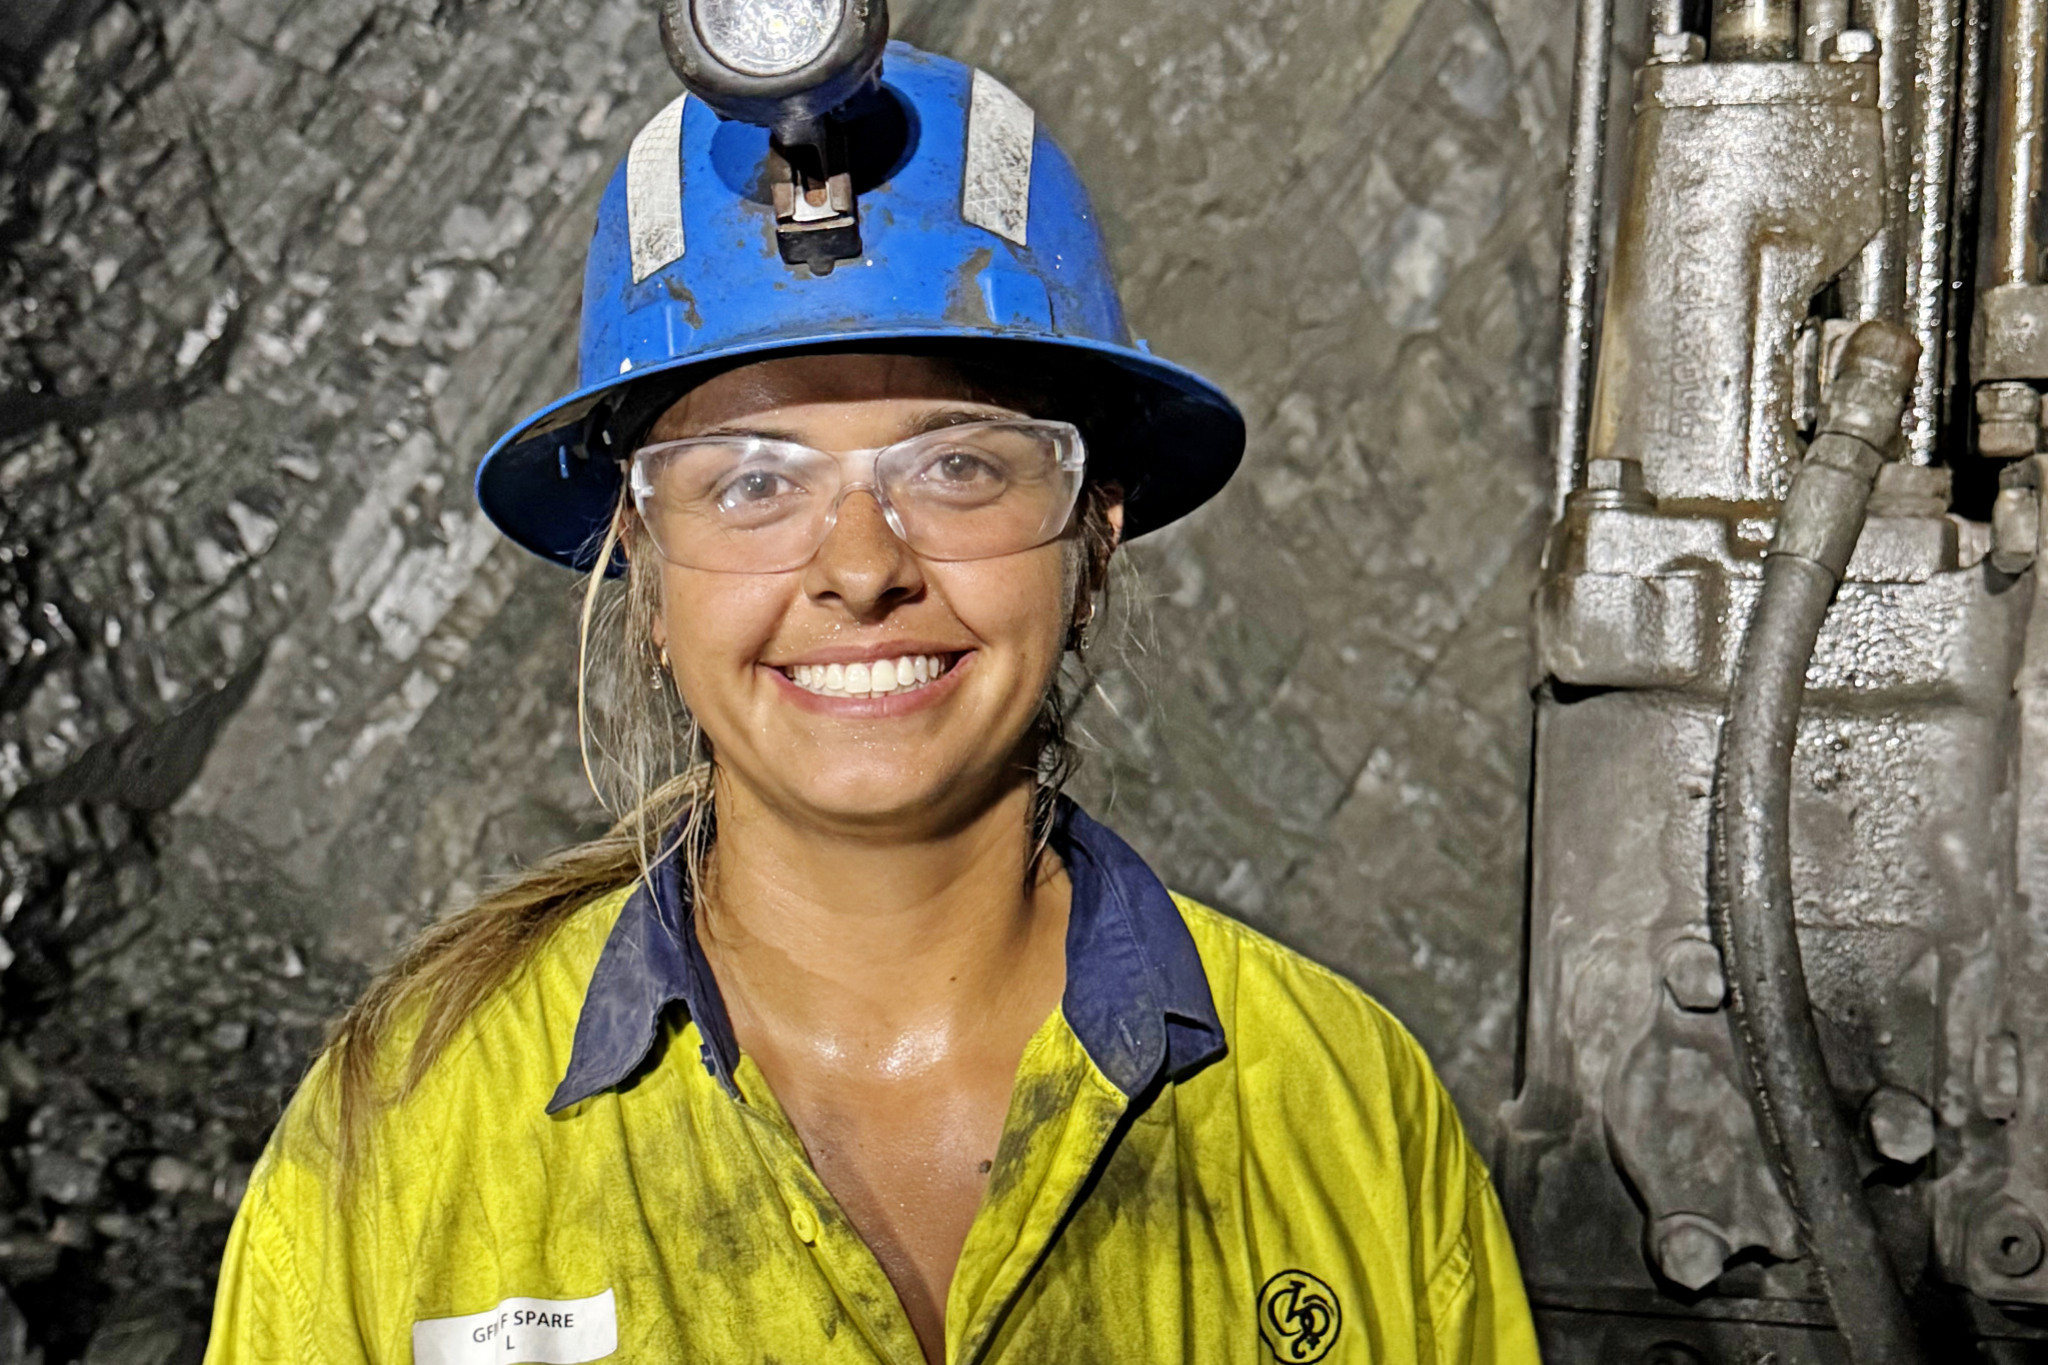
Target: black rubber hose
{"x": 1750, "y": 862}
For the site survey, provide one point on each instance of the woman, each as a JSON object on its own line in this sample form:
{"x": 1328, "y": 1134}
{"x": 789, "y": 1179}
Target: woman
{"x": 855, "y": 1041}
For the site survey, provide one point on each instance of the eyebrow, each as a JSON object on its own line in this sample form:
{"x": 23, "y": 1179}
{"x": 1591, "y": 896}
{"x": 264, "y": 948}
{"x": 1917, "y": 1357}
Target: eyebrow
{"x": 930, "y": 422}
{"x": 953, "y": 417}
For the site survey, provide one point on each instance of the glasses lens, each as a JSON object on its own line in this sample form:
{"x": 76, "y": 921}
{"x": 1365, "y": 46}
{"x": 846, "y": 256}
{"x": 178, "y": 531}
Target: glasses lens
{"x": 750, "y": 505}
{"x": 984, "y": 489}
{"x": 740, "y": 506}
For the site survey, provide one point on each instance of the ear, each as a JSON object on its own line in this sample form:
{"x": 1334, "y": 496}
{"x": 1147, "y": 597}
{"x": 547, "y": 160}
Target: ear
{"x": 1113, "y": 516}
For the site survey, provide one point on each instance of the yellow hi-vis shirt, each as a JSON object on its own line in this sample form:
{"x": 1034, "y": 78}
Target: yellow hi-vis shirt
{"x": 1216, "y": 1151}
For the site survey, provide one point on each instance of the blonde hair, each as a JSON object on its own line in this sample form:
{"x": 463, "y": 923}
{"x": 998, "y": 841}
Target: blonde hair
{"x": 650, "y": 765}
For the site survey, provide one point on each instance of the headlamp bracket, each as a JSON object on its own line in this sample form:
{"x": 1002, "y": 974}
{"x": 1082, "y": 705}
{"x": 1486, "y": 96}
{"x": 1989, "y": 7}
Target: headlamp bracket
{"x": 817, "y": 220}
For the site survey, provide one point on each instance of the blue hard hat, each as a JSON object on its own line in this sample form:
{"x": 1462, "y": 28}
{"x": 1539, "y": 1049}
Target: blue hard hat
{"x": 976, "y": 239}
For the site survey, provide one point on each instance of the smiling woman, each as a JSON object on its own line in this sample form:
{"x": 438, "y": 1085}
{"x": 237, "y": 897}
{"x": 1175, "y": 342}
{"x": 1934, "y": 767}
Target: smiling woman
{"x": 856, "y": 1040}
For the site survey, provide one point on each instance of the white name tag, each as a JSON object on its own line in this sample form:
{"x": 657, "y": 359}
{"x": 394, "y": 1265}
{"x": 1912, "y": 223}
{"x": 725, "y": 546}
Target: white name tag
{"x": 522, "y": 1332}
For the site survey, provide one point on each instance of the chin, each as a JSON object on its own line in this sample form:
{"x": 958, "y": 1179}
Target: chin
{"x": 907, "y": 798}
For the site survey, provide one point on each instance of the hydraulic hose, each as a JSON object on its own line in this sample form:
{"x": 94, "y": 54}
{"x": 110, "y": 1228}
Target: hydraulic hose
{"x": 1749, "y": 874}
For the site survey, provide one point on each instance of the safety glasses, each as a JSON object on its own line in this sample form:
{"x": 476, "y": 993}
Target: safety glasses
{"x": 750, "y": 504}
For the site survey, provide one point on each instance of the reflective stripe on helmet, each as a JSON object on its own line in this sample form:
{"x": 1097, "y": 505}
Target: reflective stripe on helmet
{"x": 654, "y": 191}
{"x": 995, "y": 191}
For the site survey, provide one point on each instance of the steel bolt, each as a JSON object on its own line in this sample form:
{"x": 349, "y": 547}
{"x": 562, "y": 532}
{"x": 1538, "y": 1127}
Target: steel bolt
{"x": 1690, "y": 1249}
{"x": 2010, "y": 1240}
{"x": 1611, "y": 472}
{"x": 1614, "y": 482}
{"x": 1996, "y": 1071}
{"x": 1900, "y": 1125}
{"x": 2008, "y": 420}
{"x": 1677, "y": 49}
{"x": 1693, "y": 975}
{"x": 2015, "y": 528}
{"x": 1850, "y": 45}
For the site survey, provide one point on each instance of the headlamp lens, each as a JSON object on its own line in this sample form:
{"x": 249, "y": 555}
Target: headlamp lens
{"x": 767, "y": 37}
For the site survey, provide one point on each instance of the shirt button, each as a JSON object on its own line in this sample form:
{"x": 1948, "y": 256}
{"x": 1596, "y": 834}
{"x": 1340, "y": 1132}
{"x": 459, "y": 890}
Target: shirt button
{"x": 805, "y": 1223}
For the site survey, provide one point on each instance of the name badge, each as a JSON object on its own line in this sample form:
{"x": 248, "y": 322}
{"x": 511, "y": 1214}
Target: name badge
{"x": 522, "y": 1332}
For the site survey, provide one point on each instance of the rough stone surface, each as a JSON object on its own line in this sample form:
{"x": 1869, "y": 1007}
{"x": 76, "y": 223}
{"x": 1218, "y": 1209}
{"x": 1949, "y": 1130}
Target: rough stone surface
{"x": 272, "y": 273}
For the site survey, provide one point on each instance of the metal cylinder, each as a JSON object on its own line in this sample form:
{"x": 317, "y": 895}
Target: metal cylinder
{"x": 2022, "y": 110}
{"x": 1822, "y": 20}
{"x": 1927, "y": 264}
{"x": 1582, "y": 243}
{"x": 1875, "y": 286}
{"x": 1754, "y": 31}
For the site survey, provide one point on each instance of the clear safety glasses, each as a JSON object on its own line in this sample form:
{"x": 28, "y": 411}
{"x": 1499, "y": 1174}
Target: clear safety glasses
{"x": 749, "y": 504}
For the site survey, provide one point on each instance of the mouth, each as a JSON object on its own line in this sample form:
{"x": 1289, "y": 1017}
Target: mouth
{"x": 874, "y": 677}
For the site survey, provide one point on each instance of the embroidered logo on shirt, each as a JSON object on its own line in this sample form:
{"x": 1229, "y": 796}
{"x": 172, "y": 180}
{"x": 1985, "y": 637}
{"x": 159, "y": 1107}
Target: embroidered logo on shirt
{"x": 522, "y": 1332}
{"x": 1299, "y": 1317}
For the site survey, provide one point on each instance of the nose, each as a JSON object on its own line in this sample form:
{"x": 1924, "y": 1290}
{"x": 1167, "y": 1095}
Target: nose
{"x": 863, "y": 566}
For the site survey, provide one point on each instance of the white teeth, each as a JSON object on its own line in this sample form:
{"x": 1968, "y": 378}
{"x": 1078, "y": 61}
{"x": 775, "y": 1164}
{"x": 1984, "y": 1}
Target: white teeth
{"x": 879, "y": 678}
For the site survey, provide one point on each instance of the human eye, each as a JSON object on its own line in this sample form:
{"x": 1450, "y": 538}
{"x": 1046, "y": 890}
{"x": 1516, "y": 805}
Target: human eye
{"x": 956, "y": 477}
{"x": 749, "y": 484}
{"x": 961, "y": 470}
{"x": 961, "y": 465}
{"x": 751, "y": 488}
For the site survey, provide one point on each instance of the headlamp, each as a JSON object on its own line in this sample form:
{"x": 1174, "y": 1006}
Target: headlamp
{"x": 783, "y": 64}
{"x": 766, "y": 39}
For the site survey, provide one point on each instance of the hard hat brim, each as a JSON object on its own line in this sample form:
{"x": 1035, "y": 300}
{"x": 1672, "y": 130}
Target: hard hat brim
{"x": 1182, "y": 438}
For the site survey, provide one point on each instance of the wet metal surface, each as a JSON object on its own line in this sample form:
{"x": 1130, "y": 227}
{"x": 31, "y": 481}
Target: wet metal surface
{"x": 1767, "y": 207}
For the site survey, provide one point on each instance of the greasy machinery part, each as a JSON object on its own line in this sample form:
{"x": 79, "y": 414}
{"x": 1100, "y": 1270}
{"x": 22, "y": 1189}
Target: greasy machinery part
{"x": 1582, "y": 241}
{"x": 1875, "y": 286}
{"x": 1754, "y": 31}
{"x": 1821, "y": 21}
{"x": 2022, "y": 107}
{"x": 2013, "y": 309}
{"x": 1966, "y": 204}
{"x": 2003, "y": 1238}
{"x": 1750, "y": 875}
{"x": 1927, "y": 273}
{"x": 1770, "y": 206}
{"x": 1741, "y": 205}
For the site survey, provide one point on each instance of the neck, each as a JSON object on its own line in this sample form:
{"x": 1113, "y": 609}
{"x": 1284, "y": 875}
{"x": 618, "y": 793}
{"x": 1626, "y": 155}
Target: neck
{"x": 853, "y": 945}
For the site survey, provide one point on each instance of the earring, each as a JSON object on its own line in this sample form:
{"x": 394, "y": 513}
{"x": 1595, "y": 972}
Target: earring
{"x": 657, "y": 670}
{"x": 1077, "y": 633}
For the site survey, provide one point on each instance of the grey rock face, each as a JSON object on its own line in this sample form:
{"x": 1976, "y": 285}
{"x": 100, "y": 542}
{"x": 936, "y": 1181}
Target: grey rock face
{"x": 272, "y": 694}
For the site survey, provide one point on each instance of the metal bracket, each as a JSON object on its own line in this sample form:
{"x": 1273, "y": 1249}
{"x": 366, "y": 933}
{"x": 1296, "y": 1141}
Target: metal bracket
{"x": 817, "y": 219}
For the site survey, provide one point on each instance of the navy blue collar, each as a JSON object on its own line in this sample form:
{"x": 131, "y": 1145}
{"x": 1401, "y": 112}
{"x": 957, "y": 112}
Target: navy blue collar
{"x": 1136, "y": 996}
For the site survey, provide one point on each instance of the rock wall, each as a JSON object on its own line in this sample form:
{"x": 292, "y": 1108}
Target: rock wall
{"x": 272, "y": 694}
